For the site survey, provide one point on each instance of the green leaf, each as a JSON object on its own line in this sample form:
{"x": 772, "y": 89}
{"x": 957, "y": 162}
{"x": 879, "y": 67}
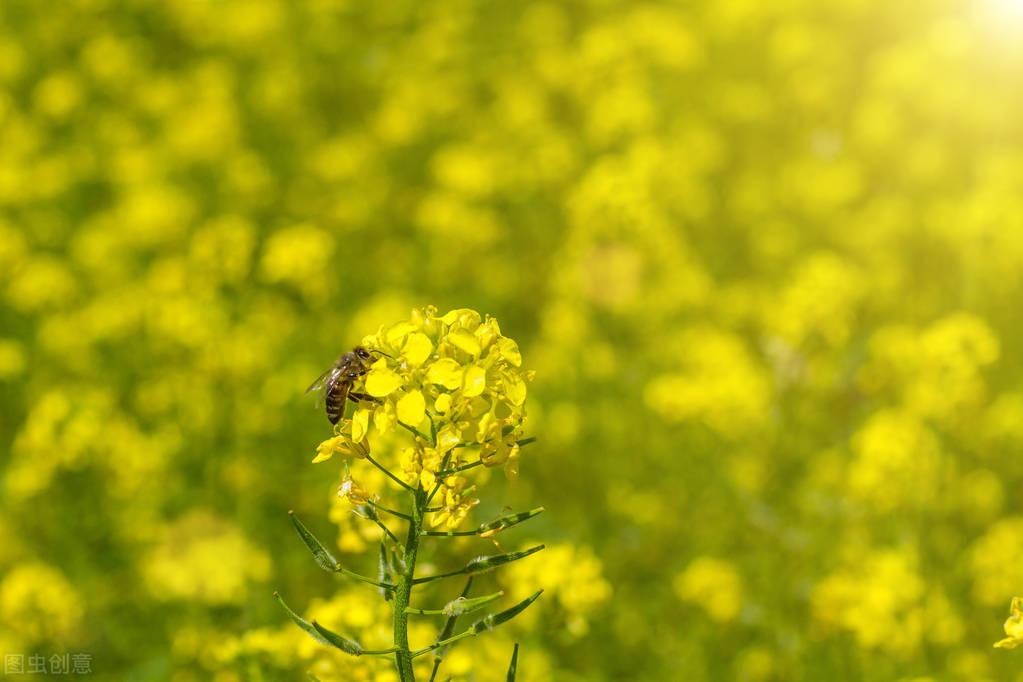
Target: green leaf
{"x": 301, "y": 622}
{"x": 324, "y": 558}
{"x": 513, "y": 666}
{"x": 495, "y": 619}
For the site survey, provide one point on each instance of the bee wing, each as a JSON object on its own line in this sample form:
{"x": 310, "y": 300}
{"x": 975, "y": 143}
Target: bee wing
{"x": 323, "y": 379}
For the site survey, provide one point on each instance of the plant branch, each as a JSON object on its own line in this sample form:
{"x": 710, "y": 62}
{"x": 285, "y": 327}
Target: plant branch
{"x": 387, "y": 530}
{"x": 392, "y": 512}
{"x": 382, "y": 468}
{"x": 355, "y": 576}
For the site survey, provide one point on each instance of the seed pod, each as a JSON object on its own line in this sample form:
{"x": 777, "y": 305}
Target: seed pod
{"x": 301, "y": 622}
{"x": 324, "y": 558}
{"x": 513, "y": 666}
{"x": 348, "y": 646}
{"x": 384, "y": 572}
{"x": 483, "y": 564}
{"x": 495, "y": 619}
{"x": 462, "y": 605}
{"x": 494, "y": 527}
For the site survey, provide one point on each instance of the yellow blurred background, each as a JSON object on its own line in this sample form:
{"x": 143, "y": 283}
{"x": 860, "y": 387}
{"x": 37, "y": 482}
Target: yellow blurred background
{"x": 765, "y": 257}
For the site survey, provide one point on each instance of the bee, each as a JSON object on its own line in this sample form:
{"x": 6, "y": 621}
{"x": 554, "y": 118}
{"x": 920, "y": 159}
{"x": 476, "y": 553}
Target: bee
{"x": 336, "y": 383}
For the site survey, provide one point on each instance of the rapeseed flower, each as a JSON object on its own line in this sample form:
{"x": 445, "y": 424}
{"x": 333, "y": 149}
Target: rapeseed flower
{"x": 1013, "y": 626}
{"x": 457, "y": 386}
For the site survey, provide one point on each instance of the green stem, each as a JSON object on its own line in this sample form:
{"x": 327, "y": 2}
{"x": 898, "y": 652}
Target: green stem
{"x": 380, "y": 507}
{"x": 382, "y": 468}
{"x": 387, "y": 530}
{"x": 439, "y": 576}
{"x": 379, "y": 652}
{"x": 444, "y": 642}
{"x": 403, "y": 592}
{"x": 444, "y": 473}
{"x": 361, "y": 578}
{"x": 436, "y": 487}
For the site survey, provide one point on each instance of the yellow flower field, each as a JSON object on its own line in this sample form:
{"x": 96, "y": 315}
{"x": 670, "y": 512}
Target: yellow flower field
{"x": 762, "y": 263}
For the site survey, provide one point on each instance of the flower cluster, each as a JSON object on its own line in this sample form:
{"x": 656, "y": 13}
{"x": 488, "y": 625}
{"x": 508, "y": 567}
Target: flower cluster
{"x": 455, "y": 385}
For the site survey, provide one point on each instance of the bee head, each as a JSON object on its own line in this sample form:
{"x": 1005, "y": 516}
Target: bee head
{"x": 365, "y": 355}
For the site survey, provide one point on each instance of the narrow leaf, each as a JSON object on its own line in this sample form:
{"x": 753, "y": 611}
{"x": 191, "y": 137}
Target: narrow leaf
{"x": 324, "y": 558}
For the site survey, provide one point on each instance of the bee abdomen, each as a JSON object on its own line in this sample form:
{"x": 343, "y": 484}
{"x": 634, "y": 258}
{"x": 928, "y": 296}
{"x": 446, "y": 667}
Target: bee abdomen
{"x": 335, "y": 403}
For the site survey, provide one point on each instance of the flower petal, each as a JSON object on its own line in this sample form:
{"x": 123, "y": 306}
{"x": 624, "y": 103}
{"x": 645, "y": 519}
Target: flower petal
{"x": 381, "y": 381}
{"x": 398, "y": 332}
{"x": 465, "y": 340}
{"x": 360, "y": 424}
{"x": 466, "y": 317}
{"x": 448, "y": 438}
{"x": 514, "y": 388}
{"x": 412, "y": 408}
{"x": 445, "y": 372}
{"x": 417, "y": 348}
{"x": 383, "y": 417}
{"x": 475, "y": 381}
{"x": 509, "y": 350}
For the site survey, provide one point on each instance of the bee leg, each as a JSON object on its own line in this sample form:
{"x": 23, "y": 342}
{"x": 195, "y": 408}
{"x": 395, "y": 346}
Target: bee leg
{"x": 362, "y": 396}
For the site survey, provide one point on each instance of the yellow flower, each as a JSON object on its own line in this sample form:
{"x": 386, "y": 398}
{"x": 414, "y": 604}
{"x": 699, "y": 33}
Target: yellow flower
{"x": 455, "y": 503}
{"x": 350, "y": 490}
{"x": 1013, "y": 626}
{"x": 341, "y": 445}
{"x": 456, "y": 384}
